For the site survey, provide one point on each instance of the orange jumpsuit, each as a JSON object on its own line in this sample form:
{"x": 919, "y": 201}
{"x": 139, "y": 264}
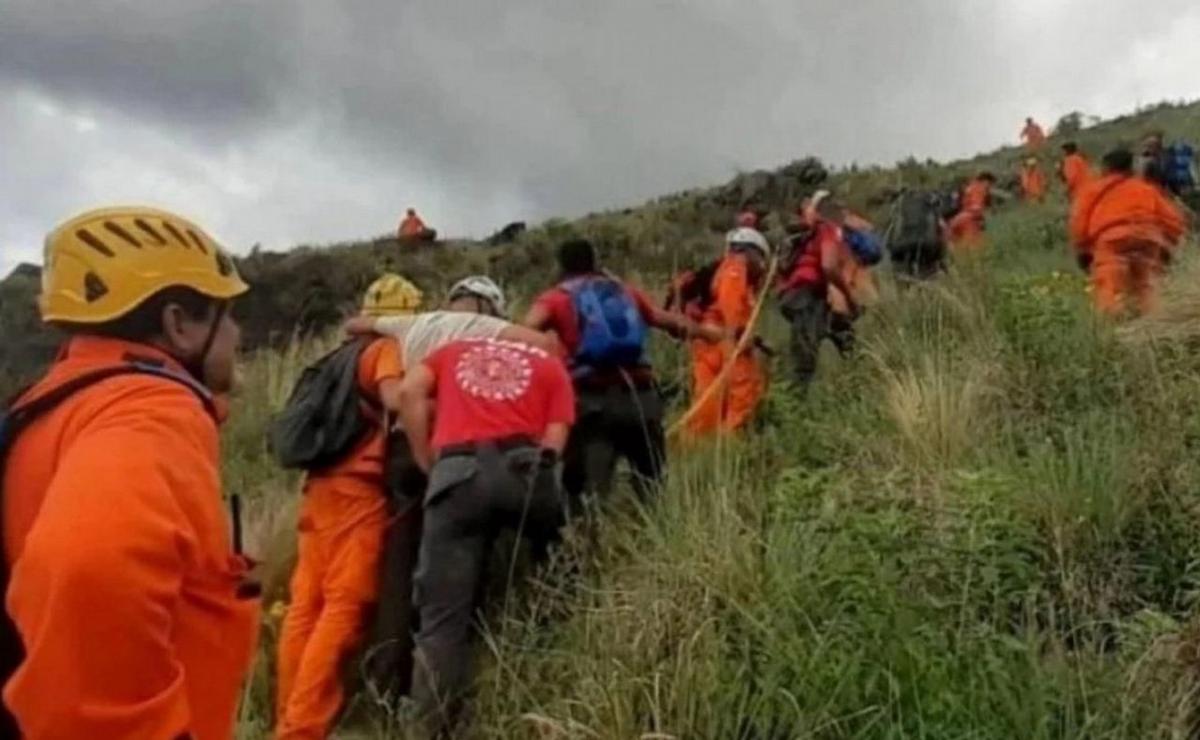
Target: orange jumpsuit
{"x": 1033, "y": 135}
{"x": 1033, "y": 183}
{"x": 125, "y": 587}
{"x": 343, "y": 520}
{"x": 966, "y": 228}
{"x": 1129, "y": 227}
{"x": 412, "y": 227}
{"x": 1075, "y": 173}
{"x": 729, "y": 409}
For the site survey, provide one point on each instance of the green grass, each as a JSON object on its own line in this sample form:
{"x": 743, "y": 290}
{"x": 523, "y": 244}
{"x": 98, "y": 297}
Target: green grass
{"x": 986, "y": 525}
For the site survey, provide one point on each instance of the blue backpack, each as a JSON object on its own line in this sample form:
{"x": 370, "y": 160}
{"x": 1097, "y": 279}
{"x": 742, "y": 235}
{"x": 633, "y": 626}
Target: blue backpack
{"x": 612, "y": 333}
{"x": 1180, "y": 157}
{"x": 866, "y": 246}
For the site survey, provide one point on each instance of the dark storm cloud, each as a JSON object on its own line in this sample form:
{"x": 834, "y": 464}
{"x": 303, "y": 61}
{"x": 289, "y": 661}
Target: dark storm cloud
{"x": 285, "y": 121}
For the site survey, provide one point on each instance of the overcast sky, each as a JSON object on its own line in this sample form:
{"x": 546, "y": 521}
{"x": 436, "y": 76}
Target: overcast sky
{"x": 280, "y": 121}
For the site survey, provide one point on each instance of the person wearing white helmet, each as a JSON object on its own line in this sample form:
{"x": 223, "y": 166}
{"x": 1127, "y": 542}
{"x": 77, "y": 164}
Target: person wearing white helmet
{"x": 736, "y": 286}
{"x": 602, "y": 324}
{"x": 474, "y": 308}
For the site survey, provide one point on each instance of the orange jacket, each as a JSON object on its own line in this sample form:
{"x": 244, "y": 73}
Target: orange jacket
{"x": 1120, "y": 208}
{"x": 976, "y": 196}
{"x": 734, "y": 294}
{"x": 1033, "y": 135}
{"x": 412, "y": 226}
{"x": 1075, "y": 172}
{"x": 124, "y": 583}
{"x": 1033, "y": 182}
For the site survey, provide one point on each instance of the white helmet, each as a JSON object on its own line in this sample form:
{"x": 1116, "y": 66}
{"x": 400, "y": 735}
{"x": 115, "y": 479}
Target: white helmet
{"x": 749, "y": 237}
{"x": 479, "y": 286}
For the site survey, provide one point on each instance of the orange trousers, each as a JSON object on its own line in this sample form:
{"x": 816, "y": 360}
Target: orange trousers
{"x": 342, "y": 525}
{"x": 732, "y": 407}
{"x": 1125, "y": 277}
{"x": 966, "y": 231}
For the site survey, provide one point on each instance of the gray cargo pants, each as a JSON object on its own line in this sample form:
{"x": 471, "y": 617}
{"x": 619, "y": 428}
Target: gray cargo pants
{"x": 471, "y": 498}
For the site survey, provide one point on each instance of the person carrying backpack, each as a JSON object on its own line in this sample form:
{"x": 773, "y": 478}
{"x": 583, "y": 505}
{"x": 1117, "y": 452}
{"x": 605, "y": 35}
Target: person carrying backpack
{"x": 130, "y": 610}
{"x": 917, "y": 235}
{"x": 488, "y": 419}
{"x": 736, "y": 286}
{"x": 602, "y": 325}
{"x": 344, "y": 515}
{"x": 816, "y": 263}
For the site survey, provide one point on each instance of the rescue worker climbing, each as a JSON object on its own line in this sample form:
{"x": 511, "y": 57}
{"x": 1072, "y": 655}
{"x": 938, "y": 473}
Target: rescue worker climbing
{"x": 1033, "y": 181}
{"x": 601, "y": 324}
{"x": 413, "y": 229}
{"x": 815, "y": 263}
{"x": 135, "y": 609}
{"x": 1033, "y": 135}
{"x": 1074, "y": 170}
{"x": 501, "y": 413}
{"x": 967, "y": 227}
{"x": 342, "y": 527}
{"x": 736, "y": 286}
{"x": 1125, "y": 230}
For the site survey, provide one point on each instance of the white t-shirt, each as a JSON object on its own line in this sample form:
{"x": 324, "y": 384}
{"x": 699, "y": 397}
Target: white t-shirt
{"x": 420, "y": 335}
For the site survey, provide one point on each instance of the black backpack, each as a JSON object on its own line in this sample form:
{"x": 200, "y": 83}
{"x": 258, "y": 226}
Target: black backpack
{"x": 915, "y": 227}
{"x": 15, "y": 420}
{"x": 325, "y": 416}
{"x": 693, "y": 286}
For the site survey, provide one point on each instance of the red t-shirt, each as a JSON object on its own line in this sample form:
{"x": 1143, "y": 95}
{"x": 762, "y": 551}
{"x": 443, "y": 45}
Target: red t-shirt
{"x": 564, "y": 320}
{"x": 489, "y": 389}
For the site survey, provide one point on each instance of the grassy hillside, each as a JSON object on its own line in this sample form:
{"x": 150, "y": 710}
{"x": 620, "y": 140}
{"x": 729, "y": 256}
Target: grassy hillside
{"x": 985, "y": 525}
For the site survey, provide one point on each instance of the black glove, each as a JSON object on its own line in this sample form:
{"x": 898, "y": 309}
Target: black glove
{"x": 1084, "y": 260}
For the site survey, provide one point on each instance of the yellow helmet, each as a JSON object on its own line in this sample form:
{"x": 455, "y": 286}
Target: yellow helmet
{"x": 104, "y": 263}
{"x": 391, "y": 295}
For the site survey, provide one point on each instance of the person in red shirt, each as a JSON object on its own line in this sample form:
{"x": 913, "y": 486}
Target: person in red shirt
{"x": 817, "y": 261}
{"x": 501, "y": 413}
{"x": 343, "y": 526}
{"x": 620, "y": 412}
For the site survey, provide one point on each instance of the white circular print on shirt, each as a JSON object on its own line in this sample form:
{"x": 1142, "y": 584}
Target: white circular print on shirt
{"x": 493, "y": 372}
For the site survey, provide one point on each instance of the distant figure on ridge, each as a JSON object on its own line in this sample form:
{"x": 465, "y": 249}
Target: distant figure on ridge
{"x": 1033, "y": 135}
{"x": 413, "y": 229}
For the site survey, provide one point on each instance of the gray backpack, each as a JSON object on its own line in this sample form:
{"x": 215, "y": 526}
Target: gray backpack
{"x": 326, "y": 416}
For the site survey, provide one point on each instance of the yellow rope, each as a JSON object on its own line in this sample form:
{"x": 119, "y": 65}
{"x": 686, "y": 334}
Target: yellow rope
{"x": 747, "y": 337}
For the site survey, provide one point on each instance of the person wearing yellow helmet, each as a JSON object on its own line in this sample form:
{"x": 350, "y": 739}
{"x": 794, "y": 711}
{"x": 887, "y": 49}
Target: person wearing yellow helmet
{"x": 120, "y": 566}
{"x": 344, "y": 538}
